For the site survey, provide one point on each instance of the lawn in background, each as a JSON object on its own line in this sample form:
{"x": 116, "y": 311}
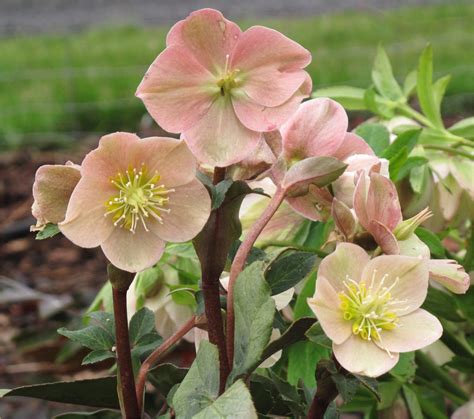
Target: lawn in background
{"x": 72, "y": 84}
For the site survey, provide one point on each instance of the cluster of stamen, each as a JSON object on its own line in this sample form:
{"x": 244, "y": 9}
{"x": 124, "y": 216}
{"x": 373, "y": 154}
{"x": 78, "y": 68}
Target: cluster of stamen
{"x": 229, "y": 79}
{"x": 370, "y": 309}
{"x": 139, "y": 197}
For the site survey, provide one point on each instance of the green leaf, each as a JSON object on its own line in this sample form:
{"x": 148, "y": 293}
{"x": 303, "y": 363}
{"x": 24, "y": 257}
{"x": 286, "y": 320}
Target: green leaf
{"x": 376, "y": 135}
{"x": 98, "y": 392}
{"x": 219, "y": 193}
{"x": 412, "y": 402}
{"x": 301, "y": 306}
{"x": 351, "y": 98}
{"x": 183, "y": 295}
{"x": 236, "y": 402}
{"x": 97, "y": 356}
{"x": 146, "y": 344}
{"x": 49, "y": 230}
{"x": 405, "y": 141}
{"x": 294, "y": 333}
{"x": 165, "y": 376}
{"x": 103, "y": 300}
{"x": 316, "y": 335}
{"x": 142, "y": 323}
{"x": 288, "y": 270}
{"x": 302, "y": 360}
{"x": 147, "y": 283}
{"x": 254, "y": 312}
{"x": 409, "y": 85}
{"x": 409, "y": 164}
{"x": 405, "y": 369}
{"x": 377, "y": 104}
{"x": 388, "y": 391}
{"x": 346, "y": 385}
{"x": 432, "y": 241}
{"x": 426, "y": 96}
{"x": 98, "y": 414}
{"x": 439, "y": 88}
{"x": 383, "y": 78}
{"x": 443, "y": 305}
{"x": 92, "y": 337}
{"x": 463, "y": 128}
{"x": 463, "y": 364}
{"x": 200, "y": 387}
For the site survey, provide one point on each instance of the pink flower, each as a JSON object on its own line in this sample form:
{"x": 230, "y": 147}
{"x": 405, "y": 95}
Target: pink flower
{"x": 449, "y": 273}
{"x": 51, "y": 192}
{"x": 370, "y": 308}
{"x": 221, "y": 87}
{"x": 133, "y": 196}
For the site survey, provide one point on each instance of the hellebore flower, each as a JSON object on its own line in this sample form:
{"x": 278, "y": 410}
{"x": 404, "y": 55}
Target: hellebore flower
{"x": 221, "y": 87}
{"x": 133, "y": 196}
{"x": 370, "y": 308}
{"x": 52, "y": 189}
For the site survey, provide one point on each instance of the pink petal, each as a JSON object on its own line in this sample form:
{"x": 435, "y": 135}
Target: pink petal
{"x": 171, "y": 158}
{"x": 409, "y": 274}
{"x": 382, "y": 201}
{"x": 190, "y": 207}
{"x": 364, "y": 357}
{"x": 110, "y": 158}
{"x": 415, "y": 331}
{"x": 267, "y": 58}
{"x": 325, "y": 305}
{"x": 384, "y": 238}
{"x": 313, "y": 205}
{"x": 133, "y": 252}
{"x": 318, "y": 128}
{"x": 343, "y": 218}
{"x": 347, "y": 261}
{"x": 450, "y": 274}
{"x": 351, "y": 145}
{"x": 85, "y": 224}
{"x": 52, "y": 189}
{"x": 261, "y": 118}
{"x": 219, "y": 138}
{"x": 177, "y": 90}
{"x": 413, "y": 246}
{"x": 360, "y": 200}
{"x": 206, "y": 35}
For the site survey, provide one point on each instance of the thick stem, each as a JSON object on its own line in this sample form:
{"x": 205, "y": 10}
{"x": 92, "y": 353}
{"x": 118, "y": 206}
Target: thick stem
{"x": 124, "y": 358}
{"x": 239, "y": 263}
{"x": 326, "y": 392}
{"x": 157, "y": 353}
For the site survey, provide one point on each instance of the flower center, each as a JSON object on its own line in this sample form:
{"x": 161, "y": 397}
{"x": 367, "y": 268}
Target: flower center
{"x": 229, "y": 79}
{"x": 370, "y": 310}
{"x": 139, "y": 196}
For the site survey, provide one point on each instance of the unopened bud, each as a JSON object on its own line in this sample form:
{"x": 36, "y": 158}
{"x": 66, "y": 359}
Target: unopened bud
{"x": 407, "y": 227}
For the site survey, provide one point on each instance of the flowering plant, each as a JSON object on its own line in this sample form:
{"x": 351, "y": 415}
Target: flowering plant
{"x": 339, "y": 292}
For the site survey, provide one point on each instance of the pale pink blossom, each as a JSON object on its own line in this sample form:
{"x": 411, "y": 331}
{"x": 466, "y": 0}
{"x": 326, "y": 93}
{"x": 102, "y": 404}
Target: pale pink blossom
{"x": 134, "y": 195}
{"x": 370, "y": 308}
{"x": 52, "y": 190}
{"x": 222, "y": 87}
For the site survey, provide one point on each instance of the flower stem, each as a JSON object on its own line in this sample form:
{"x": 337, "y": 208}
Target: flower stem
{"x": 239, "y": 263}
{"x": 451, "y": 150}
{"x": 157, "y": 353}
{"x": 124, "y": 358}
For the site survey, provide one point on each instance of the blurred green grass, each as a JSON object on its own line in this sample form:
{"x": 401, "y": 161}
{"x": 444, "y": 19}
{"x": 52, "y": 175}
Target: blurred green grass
{"x": 52, "y": 85}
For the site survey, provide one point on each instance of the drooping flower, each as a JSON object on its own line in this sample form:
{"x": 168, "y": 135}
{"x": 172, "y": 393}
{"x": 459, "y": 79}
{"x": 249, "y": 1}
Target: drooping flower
{"x": 133, "y": 196}
{"x": 221, "y": 87}
{"x": 370, "y": 309}
{"x": 52, "y": 190}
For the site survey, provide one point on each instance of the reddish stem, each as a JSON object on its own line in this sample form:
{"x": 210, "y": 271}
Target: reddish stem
{"x": 239, "y": 263}
{"x": 124, "y": 359}
{"x": 157, "y": 353}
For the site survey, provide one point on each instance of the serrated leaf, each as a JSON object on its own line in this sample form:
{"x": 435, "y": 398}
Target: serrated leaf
{"x": 220, "y": 191}
{"x": 405, "y": 141}
{"x": 316, "y": 335}
{"x": 302, "y": 360}
{"x": 97, "y": 356}
{"x": 409, "y": 164}
{"x": 426, "y": 95}
{"x": 92, "y": 337}
{"x": 146, "y": 344}
{"x": 98, "y": 392}
{"x": 405, "y": 368}
{"x": 376, "y": 135}
{"x": 288, "y": 270}
{"x": 235, "y": 403}
{"x": 254, "y": 312}
{"x": 382, "y": 76}
{"x": 301, "y": 306}
{"x": 142, "y": 323}
{"x": 49, "y": 230}
{"x": 200, "y": 387}
{"x": 165, "y": 376}
{"x": 346, "y": 385}
{"x": 351, "y": 98}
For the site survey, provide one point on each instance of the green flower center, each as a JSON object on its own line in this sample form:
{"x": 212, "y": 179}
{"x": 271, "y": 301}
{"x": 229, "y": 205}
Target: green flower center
{"x": 139, "y": 196}
{"x": 370, "y": 310}
{"x": 229, "y": 79}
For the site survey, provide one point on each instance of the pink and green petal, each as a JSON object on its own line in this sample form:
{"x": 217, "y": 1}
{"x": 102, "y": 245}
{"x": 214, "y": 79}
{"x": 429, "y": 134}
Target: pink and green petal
{"x": 343, "y": 218}
{"x": 360, "y": 200}
{"x": 313, "y": 205}
{"x": 206, "y": 35}
{"x": 364, "y": 357}
{"x": 325, "y": 305}
{"x": 384, "y": 238}
{"x": 347, "y": 261}
{"x": 220, "y": 139}
{"x": 190, "y": 206}
{"x": 85, "y": 223}
{"x": 352, "y": 145}
{"x": 133, "y": 252}
{"x": 406, "y": 276}
{"x": 414, "y": 331}
{"x": 177, "y": 90}
{"x": 318, "y": 128}
{"x": 449, "y": 274}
